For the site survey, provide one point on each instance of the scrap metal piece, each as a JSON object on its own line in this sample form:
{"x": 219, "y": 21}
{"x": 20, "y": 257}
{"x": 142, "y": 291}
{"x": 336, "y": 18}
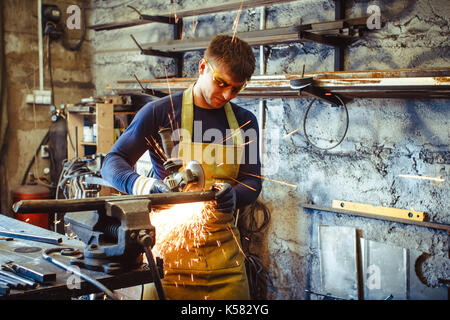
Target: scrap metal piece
{"x": 339, "y": 261}
{"x": 38, "y": 275}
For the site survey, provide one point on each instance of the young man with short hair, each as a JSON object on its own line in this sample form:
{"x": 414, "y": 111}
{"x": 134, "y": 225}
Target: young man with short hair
{"x": 206, "y": 118}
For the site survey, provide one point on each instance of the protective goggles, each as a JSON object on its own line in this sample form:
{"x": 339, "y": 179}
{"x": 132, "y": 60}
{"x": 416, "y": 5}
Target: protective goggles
{"x": 222, "y": 83}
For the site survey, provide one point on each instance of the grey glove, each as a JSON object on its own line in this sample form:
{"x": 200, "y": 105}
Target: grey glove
{"x": 225, "y": 197}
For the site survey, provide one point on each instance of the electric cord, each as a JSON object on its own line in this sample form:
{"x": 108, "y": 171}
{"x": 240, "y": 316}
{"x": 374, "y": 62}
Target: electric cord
{"x": 155, "y": 273}
{"x": 250, "y": 227}
{"x": 346, "y": 125}
{"x": 46, "y": 255}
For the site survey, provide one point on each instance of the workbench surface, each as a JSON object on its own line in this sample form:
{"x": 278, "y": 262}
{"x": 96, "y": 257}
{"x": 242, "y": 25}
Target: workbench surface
{"x": 29, "y": 253}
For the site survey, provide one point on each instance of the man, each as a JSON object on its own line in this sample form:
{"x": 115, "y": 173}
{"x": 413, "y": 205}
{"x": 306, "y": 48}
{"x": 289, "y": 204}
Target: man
{"x": 206, "y": 118}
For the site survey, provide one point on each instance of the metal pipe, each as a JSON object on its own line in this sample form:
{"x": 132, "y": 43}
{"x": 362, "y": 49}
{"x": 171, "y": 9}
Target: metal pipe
{"x": 41, "y": 46}
{"x": 262, "y": 102}
{"x": 71, "y": 205}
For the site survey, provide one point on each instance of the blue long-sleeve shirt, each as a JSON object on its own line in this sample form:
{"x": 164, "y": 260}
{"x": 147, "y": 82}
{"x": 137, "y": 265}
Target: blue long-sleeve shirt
{"x": 140, "y": 135}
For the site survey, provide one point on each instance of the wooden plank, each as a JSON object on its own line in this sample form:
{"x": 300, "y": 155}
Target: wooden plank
{"x": 75, "y": 122}
{"x": 425, "y": 224}
{"x": 105, "y": 127}
{"x": 379, "y": 210}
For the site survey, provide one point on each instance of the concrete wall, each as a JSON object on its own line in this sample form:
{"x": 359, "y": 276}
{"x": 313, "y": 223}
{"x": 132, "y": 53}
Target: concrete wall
{"x": 72, "y": 81}
{"x": 386, "y": 137}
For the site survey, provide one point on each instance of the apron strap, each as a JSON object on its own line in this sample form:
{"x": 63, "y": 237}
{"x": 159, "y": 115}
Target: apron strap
{"x": 187, "y": 118}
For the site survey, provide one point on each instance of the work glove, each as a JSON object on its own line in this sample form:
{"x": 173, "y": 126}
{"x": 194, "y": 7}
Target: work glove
{"x": 144, "y": 185}
{"x": 225, "y": 197}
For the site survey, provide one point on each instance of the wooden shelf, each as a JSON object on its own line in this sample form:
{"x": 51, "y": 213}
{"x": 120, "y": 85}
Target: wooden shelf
{"x": 402, "y": 83}
{"x": 104, "y": 118}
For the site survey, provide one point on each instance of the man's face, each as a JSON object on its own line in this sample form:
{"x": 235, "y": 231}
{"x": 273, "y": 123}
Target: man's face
{"x": 217, "y": 85}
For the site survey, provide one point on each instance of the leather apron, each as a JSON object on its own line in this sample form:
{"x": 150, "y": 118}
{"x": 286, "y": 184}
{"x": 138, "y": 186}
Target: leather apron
{"x": 215, "y": 268}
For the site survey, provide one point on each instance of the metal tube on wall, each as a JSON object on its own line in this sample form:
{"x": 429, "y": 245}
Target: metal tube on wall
{"x": 262, "y": 102}
{"x": 41, "y": 49}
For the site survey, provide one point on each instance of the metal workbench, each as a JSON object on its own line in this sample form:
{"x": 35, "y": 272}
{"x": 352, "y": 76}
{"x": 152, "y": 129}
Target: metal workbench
{"x": 29, "y": 253}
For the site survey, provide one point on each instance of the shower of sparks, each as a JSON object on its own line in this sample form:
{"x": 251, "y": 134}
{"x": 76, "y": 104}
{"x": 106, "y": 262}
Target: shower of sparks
{"x": 183, "y": 226}
{"x": 437, "y": 179}
{"x": 171, "y": 102}
{"x": 235, "y": 132}
{"x": 277, "y": 181}
{"x": 236, "y": 21}
{"x": 290, "y": 133}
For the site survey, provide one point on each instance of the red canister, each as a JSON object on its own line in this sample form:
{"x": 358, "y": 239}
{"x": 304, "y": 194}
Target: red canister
{"x": 32, "y": 192}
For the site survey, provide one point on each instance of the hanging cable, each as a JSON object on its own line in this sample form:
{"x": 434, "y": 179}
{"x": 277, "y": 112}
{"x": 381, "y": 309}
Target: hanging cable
{"x": 304, "y": 125}
{"x": 252, "y": 221}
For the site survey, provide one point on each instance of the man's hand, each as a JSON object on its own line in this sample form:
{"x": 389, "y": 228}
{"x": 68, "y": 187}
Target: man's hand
{"x": 144, "y": 185}
{"x": 225, "y": 197}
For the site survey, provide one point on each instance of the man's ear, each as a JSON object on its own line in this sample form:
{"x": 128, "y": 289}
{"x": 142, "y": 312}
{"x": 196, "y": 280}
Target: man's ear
{"x": 202, "y": 66}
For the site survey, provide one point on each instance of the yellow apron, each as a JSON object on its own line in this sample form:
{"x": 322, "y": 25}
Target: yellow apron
{"x": 215, "y": 269}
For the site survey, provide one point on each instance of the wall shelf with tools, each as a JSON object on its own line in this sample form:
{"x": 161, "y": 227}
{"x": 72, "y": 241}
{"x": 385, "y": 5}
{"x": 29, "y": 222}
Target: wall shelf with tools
{"x": 94, "y": 127}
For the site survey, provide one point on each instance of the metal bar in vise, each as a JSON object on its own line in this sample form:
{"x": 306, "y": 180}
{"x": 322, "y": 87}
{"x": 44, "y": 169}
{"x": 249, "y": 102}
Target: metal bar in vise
{"x": 30, "y": 237}
{"x": 71, "y": 205}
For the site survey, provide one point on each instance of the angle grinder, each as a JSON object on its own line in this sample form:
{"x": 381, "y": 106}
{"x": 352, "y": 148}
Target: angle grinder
{"x": 190, "y": 178}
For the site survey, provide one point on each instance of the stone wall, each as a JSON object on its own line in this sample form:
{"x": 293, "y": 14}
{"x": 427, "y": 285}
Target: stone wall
{"x": 385, "y": 138}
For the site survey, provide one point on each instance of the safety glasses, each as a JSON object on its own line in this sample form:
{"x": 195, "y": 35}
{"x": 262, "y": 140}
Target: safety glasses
{"x": 222, "y": 83}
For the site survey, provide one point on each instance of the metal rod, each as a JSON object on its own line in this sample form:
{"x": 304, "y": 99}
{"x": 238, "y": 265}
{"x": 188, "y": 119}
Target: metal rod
{"x": 41, "y": 48}
{"x": 31, "y": 237}
{"x": 70, "y": 205}
{"x": 26, "y": 282}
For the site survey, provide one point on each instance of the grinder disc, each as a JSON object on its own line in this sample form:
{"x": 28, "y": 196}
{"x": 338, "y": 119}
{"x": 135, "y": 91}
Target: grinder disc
{"x": 197, "y": 170}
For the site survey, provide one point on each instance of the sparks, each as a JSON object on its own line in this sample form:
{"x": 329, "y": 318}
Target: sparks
{"x": 241, "y": 183}
{"x": 237, "y": 242}
{"x": 290, "y": 133}
{"x": 277, "y": 181}
{"x": 236, "y": 21}
{"x": 235, "y": 132}
{"x": 171, "y": 102}
{"x": 246, "y": 143}
{"x": 162, "y": 157}
{"x": 183, "y": 226}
